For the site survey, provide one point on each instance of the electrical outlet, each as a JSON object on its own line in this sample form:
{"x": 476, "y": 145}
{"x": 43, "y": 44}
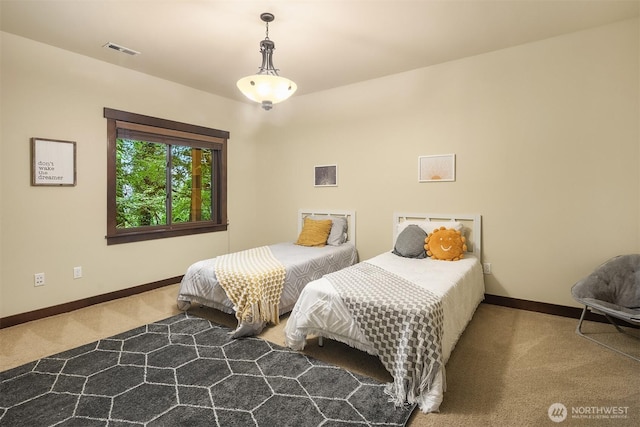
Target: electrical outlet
{"x": 486, "y": 268}
{"x": 77, "y": 272}
{"x": 38, "y": 279}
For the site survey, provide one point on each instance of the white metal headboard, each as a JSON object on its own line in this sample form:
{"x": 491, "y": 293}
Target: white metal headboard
{"x": 471, "y": 227}
{"x": 349, "y": 215}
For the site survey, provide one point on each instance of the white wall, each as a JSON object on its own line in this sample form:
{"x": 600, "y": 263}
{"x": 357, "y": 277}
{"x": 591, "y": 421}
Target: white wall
{"x": 546, "y": 140}
{"x": 546, "y": 137}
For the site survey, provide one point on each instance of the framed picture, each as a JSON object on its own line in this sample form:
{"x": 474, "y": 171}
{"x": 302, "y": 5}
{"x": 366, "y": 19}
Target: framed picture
{"x": 53, "y": 162}
{"x": 325, "y": 176}
{"x": 437, "y": 168}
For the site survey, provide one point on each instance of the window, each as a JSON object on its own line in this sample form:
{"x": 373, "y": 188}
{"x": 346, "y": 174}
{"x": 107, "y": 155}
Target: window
{"x": 164, "y": 178}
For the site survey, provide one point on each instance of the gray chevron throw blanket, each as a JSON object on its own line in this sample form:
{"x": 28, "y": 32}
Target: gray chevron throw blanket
{"x": 402, "y": 321}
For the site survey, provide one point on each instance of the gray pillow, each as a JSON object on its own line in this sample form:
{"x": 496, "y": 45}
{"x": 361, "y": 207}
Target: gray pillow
{"x": 410, "y": 242}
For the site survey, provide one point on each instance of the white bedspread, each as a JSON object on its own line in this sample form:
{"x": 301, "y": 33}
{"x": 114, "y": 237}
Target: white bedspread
{"x": 303, "y": 264}
{"x": 320, "y": 311}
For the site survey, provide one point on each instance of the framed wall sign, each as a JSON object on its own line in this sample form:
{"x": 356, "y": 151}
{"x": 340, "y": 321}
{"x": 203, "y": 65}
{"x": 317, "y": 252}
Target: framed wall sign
{"x": 53, "y": 162}
{"x": 325, "y": 176}
{"x": 437, "y": 168}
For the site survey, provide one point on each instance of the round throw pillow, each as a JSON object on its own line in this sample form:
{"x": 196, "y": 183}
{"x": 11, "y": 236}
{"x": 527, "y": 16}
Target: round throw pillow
{"x": 445, "y": 244}
{"x": 410, "y": 242}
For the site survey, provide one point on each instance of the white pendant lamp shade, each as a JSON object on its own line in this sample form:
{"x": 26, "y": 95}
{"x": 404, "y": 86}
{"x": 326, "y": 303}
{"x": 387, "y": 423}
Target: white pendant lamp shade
{"x": 266, "y": 86}
{"x": 266, "y": 89}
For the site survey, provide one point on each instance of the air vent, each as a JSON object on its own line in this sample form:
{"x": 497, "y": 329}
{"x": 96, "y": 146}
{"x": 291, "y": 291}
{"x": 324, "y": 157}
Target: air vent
{"x": 121, "y": 49}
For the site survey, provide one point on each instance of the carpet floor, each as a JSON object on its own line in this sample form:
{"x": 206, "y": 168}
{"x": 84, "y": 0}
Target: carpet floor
{"x": 187, "y": 371}
{"x": 508, "y": 368}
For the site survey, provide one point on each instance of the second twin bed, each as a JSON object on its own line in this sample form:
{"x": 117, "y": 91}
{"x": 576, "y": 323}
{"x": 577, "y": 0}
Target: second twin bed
{"x": 412, "y": 325}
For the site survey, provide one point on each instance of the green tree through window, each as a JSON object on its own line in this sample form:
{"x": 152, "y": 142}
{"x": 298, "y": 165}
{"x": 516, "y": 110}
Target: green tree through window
{"x": 191, "y": 174}
{"x": 165, "y": 178}
{"x": 140, "y": 183}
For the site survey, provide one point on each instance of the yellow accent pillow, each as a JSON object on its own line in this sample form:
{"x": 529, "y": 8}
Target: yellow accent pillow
{"x": 446, "y": 244}
{"x": 314, "y": 232}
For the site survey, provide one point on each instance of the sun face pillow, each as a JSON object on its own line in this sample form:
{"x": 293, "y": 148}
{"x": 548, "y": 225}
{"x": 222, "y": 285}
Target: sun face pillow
{"x": 445, "y": 244}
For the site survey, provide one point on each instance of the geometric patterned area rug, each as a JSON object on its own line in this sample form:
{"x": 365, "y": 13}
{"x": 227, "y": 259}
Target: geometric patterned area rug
{"x": 187, "y": 371}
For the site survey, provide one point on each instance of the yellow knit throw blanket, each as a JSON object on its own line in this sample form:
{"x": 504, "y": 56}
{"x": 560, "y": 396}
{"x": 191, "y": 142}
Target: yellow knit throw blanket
{"x": 253, "y": 280}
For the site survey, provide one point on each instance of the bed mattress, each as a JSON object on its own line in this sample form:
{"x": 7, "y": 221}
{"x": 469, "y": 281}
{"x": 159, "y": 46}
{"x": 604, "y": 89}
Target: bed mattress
{"x": 303, "y": 264}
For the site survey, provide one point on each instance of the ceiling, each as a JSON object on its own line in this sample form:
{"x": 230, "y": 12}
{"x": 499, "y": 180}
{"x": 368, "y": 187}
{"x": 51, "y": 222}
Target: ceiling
{"x": 320, "y": 44}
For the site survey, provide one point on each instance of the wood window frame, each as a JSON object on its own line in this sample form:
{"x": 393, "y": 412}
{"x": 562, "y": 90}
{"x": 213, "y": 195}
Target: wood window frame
{"x": 198, "y": 136}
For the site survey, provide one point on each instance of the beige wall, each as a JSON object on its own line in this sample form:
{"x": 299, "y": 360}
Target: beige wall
{"x": 546, "y": 139}
{"x": 546, "y": 142}
{"x": 52, "y": 93}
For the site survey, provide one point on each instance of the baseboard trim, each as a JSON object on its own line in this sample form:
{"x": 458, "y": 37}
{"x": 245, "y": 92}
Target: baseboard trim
{"x": 521, "y": 304}
{"x": 17, "y": 319}
{"x": 543, "y": 307}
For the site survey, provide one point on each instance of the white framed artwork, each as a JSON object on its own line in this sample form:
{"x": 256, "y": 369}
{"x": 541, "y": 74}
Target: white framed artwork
{"x": 325, "y": 176}
{"x": 438, "y": 168}
{"x": 53, "y": 162}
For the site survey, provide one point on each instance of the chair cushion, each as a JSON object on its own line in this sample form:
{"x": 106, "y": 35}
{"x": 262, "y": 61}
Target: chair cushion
{"x": 617, "y": 282}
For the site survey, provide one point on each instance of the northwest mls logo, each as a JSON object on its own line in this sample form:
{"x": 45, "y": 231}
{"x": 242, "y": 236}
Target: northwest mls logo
{"x": 557, "y": 412}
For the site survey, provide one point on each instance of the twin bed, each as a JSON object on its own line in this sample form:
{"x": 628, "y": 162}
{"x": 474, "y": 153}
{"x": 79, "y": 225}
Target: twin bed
{"x": 459, "y": 286}
{"x": 408, "y": 293}
{"x": 302, "y": 264}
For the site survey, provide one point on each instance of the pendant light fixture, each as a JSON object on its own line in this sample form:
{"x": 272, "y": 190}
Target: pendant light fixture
{"x": 267, "y": 87}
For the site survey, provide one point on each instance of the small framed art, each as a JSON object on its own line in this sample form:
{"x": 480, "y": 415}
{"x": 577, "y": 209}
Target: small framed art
{"x": 437, "y": 168}
{"x": 325, "y": 176}
{"x": 53, "y": 162}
